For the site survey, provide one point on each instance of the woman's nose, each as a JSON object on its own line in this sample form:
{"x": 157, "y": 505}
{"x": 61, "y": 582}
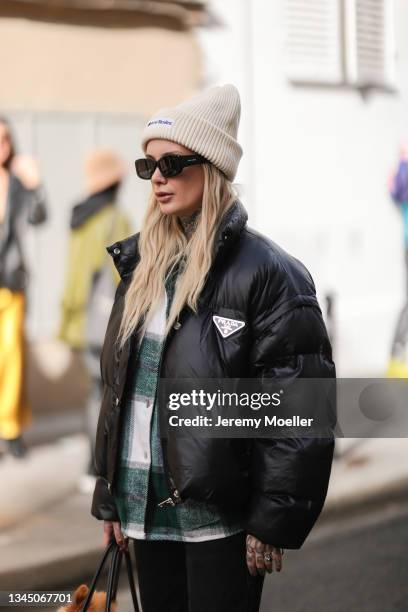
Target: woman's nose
{"x": 157, "y": 177}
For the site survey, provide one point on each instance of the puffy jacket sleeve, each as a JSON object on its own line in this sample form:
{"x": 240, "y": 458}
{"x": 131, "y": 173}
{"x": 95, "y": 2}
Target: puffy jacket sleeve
{"x": 290, "y": 476}
{"x": 103, "y": 503}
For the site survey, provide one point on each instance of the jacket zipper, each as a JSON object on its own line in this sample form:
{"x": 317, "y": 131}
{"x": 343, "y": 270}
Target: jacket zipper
{"x": 174, "y": 493}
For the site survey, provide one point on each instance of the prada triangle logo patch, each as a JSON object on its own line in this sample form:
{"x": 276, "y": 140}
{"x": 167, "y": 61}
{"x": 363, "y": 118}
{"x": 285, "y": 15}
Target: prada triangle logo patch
{"x": 226, "y": 327}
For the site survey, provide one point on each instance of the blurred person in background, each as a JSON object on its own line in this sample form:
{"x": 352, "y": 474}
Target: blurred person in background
{"x": 398, "y": 189}
{"x": 22, "y": 203}
{"x": 91, "y": 278}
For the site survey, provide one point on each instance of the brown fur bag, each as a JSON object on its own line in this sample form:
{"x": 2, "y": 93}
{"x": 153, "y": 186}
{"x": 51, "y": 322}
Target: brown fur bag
{"x": 86, "y": 599}
{"x": 98, "y": 601}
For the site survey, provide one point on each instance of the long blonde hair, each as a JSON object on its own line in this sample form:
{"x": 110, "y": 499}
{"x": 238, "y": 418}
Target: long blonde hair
{"x": 162, "y": 244}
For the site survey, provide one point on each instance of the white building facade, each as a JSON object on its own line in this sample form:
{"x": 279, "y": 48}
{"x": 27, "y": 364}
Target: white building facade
{"x": 324, "y": 87}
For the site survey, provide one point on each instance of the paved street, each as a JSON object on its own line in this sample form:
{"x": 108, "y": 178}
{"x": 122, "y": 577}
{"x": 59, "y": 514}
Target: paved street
{"x": 358, "y": 565}
{"x": 355, "y": 564}
{"x": 351, "y": 564}
{"x": 353, "y": 567}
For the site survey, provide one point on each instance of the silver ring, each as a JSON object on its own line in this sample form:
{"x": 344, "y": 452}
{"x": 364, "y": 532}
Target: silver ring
{"x": 267, "y": 557}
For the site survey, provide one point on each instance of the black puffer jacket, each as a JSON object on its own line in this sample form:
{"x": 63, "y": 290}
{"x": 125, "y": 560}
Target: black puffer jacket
{"x": 280, "y": 483}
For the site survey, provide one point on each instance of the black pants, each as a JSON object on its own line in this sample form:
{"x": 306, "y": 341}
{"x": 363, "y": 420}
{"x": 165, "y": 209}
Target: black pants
{"x": 196, "y": 576}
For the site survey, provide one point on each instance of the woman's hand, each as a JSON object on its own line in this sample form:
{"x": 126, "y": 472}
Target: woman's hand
{"x": 26, "y": 169}
{"x": 261, "y": 557}
{"x": 111, "y": 529}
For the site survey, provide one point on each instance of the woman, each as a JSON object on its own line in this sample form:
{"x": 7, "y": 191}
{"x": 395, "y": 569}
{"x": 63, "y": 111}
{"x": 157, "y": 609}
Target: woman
{"x": 21, "y": 202}
{"x": 209, "y": 517}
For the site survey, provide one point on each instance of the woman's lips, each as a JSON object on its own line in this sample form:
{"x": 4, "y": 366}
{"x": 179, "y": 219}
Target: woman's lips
{"x": 164, "y": 197}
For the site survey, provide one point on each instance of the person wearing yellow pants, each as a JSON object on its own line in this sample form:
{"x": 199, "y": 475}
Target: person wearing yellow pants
{"x": 14, "y": 412}
{"x": 22, "y": 202}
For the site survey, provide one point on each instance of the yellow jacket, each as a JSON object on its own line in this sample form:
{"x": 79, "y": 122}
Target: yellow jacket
{"x": 86, "y": 255}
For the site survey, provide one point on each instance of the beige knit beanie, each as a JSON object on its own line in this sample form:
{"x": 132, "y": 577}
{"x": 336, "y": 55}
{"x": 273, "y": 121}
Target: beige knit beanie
{"x": 207, "y": 124}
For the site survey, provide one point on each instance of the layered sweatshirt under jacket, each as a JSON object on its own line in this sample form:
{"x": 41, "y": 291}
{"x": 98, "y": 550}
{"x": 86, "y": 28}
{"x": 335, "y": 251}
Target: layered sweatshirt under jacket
{"x": 279, "y": 483}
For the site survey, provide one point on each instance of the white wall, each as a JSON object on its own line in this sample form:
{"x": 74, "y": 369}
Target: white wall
{"x": 315, "y": 169}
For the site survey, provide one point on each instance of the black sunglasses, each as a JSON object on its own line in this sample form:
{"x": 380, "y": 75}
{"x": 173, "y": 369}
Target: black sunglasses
{"x": 169, "y": 165}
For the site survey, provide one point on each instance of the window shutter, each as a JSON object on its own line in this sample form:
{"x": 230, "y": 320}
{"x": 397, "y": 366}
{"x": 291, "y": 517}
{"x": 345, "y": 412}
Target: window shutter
{"x": 370, "y": 42}
{"x": 314, "y": 41}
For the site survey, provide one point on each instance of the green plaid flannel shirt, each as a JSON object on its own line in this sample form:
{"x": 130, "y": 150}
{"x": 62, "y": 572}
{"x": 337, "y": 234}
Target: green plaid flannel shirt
{"x": 141, "y": 482}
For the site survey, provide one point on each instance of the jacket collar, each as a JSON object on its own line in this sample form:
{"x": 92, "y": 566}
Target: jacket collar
{"x": 92, "y": 205}
{"x": 125, "y": 253}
